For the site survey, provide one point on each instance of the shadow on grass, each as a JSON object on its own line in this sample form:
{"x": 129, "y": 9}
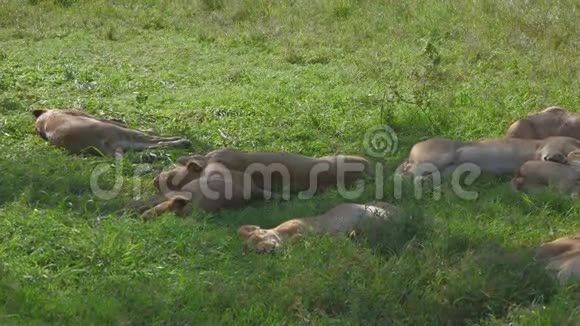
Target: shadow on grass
{"x": 482, "y": 283}
{"x": 457, "y": 278}
{"x": 390, "y": 237}
{"x": 41, "y": 178}
{"x": 53, "y": 178}
{"x": 489, "y": 279}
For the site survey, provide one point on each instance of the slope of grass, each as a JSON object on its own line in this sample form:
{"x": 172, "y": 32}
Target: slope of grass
{"x": 304, "y": 76}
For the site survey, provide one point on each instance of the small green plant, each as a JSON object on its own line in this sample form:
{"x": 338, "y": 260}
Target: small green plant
{"x": 112, "y": 34}
{"x": 212, "y": 5}
{"x": 65, "y": 3}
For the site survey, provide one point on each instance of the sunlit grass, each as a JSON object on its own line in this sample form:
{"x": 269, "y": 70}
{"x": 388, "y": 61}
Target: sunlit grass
{"x": 302, "y": 76}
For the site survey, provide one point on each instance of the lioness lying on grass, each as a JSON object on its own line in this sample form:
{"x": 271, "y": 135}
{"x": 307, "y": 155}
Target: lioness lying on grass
{"x": 343, "y": 218}
{"x": 293, "y": 171}
{"x": 77, "y": 131}
{"x": 215, "y": 189}
{"x": 539, "y": 175}
{"x": 563, "y": 256}
{"x": 497, "y": 156}
{"x": 553, "y": 121}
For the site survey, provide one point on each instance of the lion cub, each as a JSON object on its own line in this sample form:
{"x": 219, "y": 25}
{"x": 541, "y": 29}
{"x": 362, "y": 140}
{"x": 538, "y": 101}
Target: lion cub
{"x": 497, "y": 156}
{"x": 539, "y": 175}
{"x": 216, "y": 188}
{"x": 77, "y": 131}
{"x": 553, "y": 121}
{"x": 343, "y": 218}
{"x": 563, "y": 256}
{"x": 271, "y": 169}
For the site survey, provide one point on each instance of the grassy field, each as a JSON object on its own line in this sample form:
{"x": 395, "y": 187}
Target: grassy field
{"x": 310, "y": 77}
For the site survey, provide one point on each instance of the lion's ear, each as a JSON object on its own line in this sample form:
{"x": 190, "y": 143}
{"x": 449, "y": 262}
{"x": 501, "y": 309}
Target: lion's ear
{"x": 38, "y": 113}
{"x": 183, "y": 160}
{"x": 574, "y": 155}
{"x": 177, "y": 203}
{"x": 245, "y": 231}
{"x": 194, "y": 166}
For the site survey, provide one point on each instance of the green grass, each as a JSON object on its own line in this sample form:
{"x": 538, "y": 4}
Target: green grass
{"x": 302, "y": 76}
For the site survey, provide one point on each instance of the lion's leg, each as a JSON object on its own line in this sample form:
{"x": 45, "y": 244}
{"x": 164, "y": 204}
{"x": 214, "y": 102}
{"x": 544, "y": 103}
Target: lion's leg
{"x": 162, "y": 139}
{"x": 149, "y": 132}
{"x": 258, "y": 192}
{"x": 574, "y": 156}
{"x": 179, "y": 143}
{"x": 140, "y": 145}
{"x": 426, "y": 169}
{"x": 174, "y": 204}
{"x": 156, "y": 211}
{"x": 140, "y": 206}
{"x": 138, "y": 140}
